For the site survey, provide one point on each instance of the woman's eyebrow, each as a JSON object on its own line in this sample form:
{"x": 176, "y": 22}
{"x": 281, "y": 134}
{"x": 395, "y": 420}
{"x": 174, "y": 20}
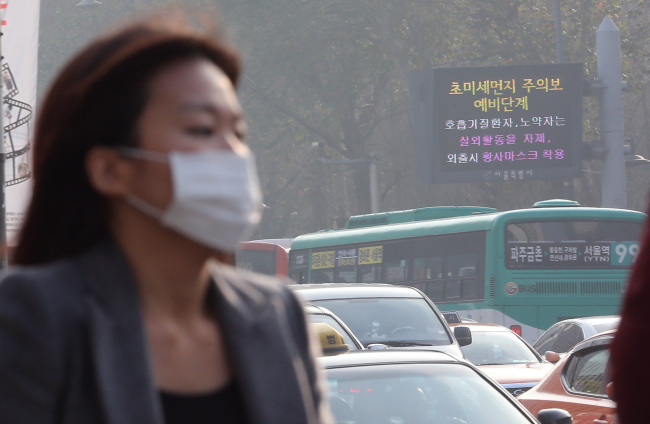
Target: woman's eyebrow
{"x": 213, "y": 109}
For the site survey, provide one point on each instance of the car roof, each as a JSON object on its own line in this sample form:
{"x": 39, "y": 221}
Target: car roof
{"x": 482, "y": 327}
{"x": 353, "y": 290}
{"x": 603, "y": 338}
{"x": 594, "y": 320}
{"x": 376, "y": 357}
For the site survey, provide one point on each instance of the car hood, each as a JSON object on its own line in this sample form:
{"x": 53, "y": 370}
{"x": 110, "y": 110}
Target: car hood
{"x": 517, "y": 373}
{"x": 452, "y": 349}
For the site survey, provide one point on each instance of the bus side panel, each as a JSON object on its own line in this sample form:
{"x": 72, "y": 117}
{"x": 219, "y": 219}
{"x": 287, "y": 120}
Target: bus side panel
{"x": 516, "y": 315}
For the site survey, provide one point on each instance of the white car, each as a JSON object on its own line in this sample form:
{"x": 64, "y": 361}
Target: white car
{"x": 420, "y": 387}
{"x": 506, "y": 357}
{"x": 387, "y": 315}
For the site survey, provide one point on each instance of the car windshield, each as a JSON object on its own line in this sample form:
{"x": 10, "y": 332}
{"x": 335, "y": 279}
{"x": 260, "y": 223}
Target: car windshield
{"x": 497, "y": 348}
{"x": 316, "y": 318}
{"x": 391, "y": 321}
{"x": 417, "y": 393}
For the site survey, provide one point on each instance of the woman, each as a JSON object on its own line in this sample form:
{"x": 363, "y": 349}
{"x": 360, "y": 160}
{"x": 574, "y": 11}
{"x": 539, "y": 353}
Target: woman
{"x": 630, "y": 348}
{"x": 119, "y": 308}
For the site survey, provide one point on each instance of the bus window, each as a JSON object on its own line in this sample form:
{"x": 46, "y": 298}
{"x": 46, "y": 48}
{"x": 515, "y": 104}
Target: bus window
{"x": 370, "y": 273}
{"x": 262, "y": 261}
{"x": 461, "y": 265}
{"x": 554, "y": 231}
{"x": 395, "y": 261}
{"x": 299, "y": 266}
{"x": 435, "y": 290}
{"x": 452, "y": 289}
{"x": 347, "y": 274}
{"x": 269, "y": 256}
{"x": 299, "y": 277}
{"x": 472, "y": 289}
{"x": 427, "y": 268}
{"x": 321, "y": 276}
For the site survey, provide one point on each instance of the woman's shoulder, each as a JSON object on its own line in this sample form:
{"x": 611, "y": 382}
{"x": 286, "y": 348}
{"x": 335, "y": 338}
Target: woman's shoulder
{"x": 68, "y": 274}
{"x": 57, "y": 282}
{"x": 61, "y": 271}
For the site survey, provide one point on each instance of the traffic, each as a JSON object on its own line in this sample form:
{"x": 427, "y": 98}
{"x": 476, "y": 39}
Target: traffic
{"x": 324, "y": 212}
{"x": 518, "y": 298}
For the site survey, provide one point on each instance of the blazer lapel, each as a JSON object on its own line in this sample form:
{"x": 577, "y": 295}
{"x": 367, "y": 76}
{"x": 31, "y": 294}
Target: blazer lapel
{"x": 118, "y": 344}
{"x": 264, "y": 354}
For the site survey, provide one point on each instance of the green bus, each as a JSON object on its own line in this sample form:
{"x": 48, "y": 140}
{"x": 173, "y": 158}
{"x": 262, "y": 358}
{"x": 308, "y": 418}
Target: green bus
{"x": 525, "y": 269}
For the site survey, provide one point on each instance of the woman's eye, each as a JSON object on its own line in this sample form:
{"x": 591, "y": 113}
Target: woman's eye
{"x": 241, "y": 135}
{"x": 201, "y": 131}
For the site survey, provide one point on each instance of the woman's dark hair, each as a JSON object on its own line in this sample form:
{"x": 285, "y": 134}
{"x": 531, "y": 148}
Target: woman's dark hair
{"x": 97, "y": 100}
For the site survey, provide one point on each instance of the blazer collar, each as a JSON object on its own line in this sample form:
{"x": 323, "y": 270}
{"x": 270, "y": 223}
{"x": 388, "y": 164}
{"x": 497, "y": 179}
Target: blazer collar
{"x": 120, "y": 352}
{"x": 231, "y": 295}
{"x": 254, "y": 313}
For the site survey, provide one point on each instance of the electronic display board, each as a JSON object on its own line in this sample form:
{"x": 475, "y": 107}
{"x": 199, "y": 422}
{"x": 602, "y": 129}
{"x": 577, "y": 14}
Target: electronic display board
{"x": 568, "y": 255}
{"x": 507, "y": 122}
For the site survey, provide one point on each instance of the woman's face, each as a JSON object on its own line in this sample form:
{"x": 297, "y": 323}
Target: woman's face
{"x": 192, "y": 106}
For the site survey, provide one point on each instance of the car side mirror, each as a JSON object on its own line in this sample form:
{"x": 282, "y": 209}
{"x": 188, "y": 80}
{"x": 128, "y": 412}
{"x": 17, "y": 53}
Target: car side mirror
{"x": 463, "y": 335}
{"x": 609, "y": 389}
{"x": 552, "y": 356}
{"x": 377, "y": 346}
{"x": 554, "y": 416}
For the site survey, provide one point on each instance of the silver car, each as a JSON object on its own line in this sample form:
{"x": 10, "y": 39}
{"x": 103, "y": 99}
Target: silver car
{"x": 562, "y": 336}
{"x": 387, "y": 315}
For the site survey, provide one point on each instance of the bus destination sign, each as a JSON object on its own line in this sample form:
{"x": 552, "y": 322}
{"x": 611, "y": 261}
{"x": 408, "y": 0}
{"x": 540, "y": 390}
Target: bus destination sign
{"x": 570, "y": 255}
{"x": 507, "y": 122}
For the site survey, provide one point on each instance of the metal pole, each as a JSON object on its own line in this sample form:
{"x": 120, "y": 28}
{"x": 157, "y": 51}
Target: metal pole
{"x": 559, "y": 49}
{"x": 374, "y": 191}
{"x": 608, "y": 60}
{"x": 558, "y": 32}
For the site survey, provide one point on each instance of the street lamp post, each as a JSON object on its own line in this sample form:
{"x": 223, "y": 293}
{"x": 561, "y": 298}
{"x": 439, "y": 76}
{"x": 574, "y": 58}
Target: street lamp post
{"x": 558, "y": 32}
{"x": 608, "y": 62}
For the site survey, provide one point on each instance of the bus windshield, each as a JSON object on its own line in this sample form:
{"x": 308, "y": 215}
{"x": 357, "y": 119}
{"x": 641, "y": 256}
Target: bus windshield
{"x": 268, "y": 256}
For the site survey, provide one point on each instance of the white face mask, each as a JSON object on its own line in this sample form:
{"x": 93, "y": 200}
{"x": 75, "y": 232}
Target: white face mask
{"x": 217, "y": 199}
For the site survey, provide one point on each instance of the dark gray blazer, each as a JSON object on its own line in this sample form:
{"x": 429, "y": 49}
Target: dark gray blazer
{"x": 73, "y": 348}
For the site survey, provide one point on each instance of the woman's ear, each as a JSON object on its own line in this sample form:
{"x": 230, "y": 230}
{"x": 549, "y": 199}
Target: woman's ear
{"x": 108, "y": 171}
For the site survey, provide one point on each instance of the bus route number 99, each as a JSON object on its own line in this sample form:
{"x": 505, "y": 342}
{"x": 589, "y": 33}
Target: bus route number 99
{"x": 624, "y": 253}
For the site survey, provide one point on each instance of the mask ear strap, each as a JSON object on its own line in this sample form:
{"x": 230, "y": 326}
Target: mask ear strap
{"x": 135, "y": 153}
{"x": 143, "y": 206}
